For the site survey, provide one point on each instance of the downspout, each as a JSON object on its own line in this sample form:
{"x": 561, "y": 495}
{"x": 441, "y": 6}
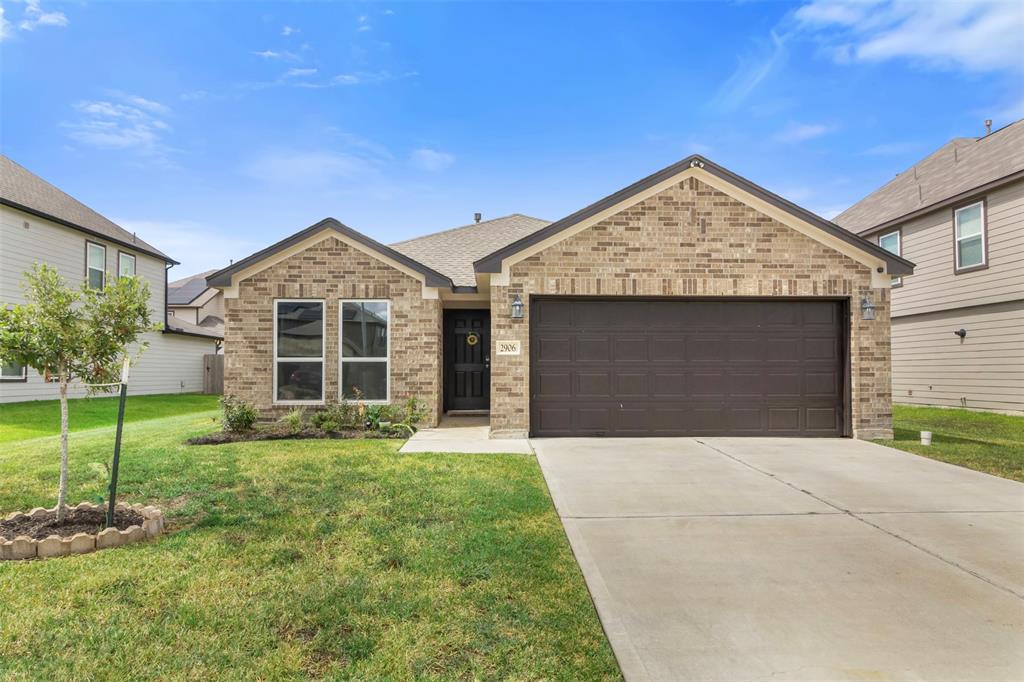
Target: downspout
{"x": 167, "y": 267}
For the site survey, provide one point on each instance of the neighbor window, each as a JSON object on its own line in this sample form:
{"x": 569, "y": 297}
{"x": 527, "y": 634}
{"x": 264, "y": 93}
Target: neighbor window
{"x": 298, "y": 351}
{"x": 12, "y": 371}
{"x": 125, "y": 264}
{"x": 970, "y": 236}
{"x": 364, "y": 350}
{"x": 95, "y": 264}
{"x": 891, "y": 242}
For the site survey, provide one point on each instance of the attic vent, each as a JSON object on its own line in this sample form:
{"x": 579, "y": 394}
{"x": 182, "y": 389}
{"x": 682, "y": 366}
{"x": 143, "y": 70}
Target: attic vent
{"x": 477, "y": 217}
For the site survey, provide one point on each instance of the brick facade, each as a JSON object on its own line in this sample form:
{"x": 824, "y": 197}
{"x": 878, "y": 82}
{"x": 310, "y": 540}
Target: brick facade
{"x": 692, "y": 240}
{"x": 332, "y": 270}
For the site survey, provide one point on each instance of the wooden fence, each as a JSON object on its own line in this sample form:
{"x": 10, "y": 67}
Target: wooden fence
{"x": 213, "y": 374}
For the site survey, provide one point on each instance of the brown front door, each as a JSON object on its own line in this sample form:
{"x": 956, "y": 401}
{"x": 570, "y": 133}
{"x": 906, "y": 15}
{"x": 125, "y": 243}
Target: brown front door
{"x": 467, "y": 359}
{"x": 628, "y": 367}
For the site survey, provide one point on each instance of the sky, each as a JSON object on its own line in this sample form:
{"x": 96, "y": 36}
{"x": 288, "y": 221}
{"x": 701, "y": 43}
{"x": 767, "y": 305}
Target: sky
{"x": 216, "y": 129}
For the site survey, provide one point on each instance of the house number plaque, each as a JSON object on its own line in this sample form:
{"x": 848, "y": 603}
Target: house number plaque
{"x": 508, "y": 347}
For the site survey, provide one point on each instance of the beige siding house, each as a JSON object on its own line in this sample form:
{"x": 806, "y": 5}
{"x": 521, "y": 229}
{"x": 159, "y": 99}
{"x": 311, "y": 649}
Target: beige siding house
{"x": 692, "y": 302}
{"x": 191, "y": 302}
{"x": 41, "y": 224}
{"x": 958, "y": 322}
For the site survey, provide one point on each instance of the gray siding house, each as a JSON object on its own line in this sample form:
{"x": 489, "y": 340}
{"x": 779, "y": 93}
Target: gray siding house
{"x": 958, "y": 321}
{"x": 41, "y": 224}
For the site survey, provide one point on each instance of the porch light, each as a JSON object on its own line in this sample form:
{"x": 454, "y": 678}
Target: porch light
{"x": 517, "y": 307}
{"x": 867, "y": 309}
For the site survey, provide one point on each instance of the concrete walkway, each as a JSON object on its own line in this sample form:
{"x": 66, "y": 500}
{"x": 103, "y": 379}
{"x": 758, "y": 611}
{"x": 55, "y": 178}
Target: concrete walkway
{"x": 463, "y": 434}
{"x": 751, "y": 559}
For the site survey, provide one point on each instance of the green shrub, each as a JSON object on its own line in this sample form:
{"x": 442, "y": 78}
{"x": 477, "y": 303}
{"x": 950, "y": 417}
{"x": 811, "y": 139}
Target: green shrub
{"x": 239, "y": 415}
{"x": 343, "y": 416}
{"x": 295, "y": 420}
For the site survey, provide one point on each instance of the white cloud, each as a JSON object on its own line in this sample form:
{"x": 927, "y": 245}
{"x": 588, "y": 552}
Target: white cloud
{"x": 431, "y": 159}
{"x": 34, "y": 16}
{"x": 132, "y": 123}
{"x": 271, "y": 54}
{"x": 299, "y": 73}
{"x": 750, "y": 72}
{"x": 193, "y": 95}
{"x": 289, "y": 30}
{"x": 178, "y": 239}
{"x": 974, "y": 35}
{"x": 5, "y": 26}
{"x": 310, "y": 169}
{"x": 364, "y": 23}
{"x": 801, "y": 132}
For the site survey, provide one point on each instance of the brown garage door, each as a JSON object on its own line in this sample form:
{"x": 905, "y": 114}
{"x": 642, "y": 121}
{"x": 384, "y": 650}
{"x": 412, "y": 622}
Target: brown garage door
{"x": 628, "y": 367}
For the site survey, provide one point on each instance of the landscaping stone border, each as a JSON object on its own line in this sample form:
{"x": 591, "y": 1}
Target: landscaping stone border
{"x": 24, "y": 547}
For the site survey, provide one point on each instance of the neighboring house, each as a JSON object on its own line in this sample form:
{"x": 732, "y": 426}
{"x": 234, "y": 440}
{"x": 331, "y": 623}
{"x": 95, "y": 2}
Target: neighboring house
{"x": 41, "y": 224}
{"x": 691, "y": 302}
{"x": 958, "y": 323}
{"x": 191, "y": 302}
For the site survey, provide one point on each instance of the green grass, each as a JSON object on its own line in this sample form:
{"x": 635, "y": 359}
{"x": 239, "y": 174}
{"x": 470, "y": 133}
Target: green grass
{"x": 297, "y": 560}
{"x": 19, "y": 421}
{"x": 983, "y": 441}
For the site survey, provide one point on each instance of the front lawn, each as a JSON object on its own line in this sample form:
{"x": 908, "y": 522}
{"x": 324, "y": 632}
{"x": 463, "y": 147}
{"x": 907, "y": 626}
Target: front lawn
{"x": 299, "y": 559}
{"x": 984, "y": 441}
{"x": 42, "y": 417}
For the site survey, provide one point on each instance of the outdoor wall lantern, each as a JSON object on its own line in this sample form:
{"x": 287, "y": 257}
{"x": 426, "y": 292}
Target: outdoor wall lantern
{"x": 517, "y": 307}
{"x": 867, "y": 309}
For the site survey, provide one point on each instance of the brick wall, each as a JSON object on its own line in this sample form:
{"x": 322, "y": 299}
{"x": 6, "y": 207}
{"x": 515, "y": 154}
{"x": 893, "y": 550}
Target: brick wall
{"x": 692, "y": 240}
{"x": 332, "y": 270}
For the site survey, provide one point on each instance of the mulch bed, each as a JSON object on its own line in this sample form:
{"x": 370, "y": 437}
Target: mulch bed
{"x": 77, "y": 521}
{"x": 221, "y": 437}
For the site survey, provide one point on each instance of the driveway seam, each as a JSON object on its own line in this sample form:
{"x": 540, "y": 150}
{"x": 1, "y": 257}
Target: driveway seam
{"x": 854, "y": 515}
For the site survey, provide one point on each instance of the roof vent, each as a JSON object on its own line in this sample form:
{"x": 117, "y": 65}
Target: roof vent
{"x": 988, "y": 126}
{"x": 477, "y": 217}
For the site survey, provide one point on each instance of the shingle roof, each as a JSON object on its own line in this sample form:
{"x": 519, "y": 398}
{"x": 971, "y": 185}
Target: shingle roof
{"x": 177, "y": 326}
{"x": 25, "y": 190}
{"x": 453, "y": 251}
{"x": 184, "y": 291}
{"x": 959, "y": 166}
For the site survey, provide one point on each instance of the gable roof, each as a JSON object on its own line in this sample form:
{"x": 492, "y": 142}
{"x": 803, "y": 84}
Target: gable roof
{"x": 26, "y": 191}
{"x": 453, "y": 251}
{"x": 493, "y": 261}
{"x": 187, "y": 289}
{"x": 178, "y": 326}
{"x": 432, "y": 278}
{"x": 958, "y": 168}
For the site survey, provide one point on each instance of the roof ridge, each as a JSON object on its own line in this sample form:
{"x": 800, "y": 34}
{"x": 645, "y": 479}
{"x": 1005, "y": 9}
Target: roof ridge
{"x": 463, "y": 227}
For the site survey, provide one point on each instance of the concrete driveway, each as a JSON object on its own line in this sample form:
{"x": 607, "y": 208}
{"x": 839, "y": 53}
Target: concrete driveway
{"x": 740, "y": 559}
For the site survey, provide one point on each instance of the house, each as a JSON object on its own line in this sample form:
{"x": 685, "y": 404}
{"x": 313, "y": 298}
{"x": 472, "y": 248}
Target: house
{"x": 41, "y": 224}
{"x": 958, "y": 323}
{"x": 691, "y": 302}
{"x": 190, "y": 302}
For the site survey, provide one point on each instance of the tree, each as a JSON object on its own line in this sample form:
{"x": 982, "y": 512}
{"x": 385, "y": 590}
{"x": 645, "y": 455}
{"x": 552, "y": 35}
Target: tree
{"x": 67, "y": 334}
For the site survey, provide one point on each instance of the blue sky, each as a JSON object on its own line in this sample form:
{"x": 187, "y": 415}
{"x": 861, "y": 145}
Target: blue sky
{"x": 215, "y": 129}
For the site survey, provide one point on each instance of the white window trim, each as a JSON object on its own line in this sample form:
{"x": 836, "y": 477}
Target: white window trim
{"x": 23, "y": 377}
{"x": 135, "y": 263}
{"x": 896, "y": 281}
{"x": 103, "y": 270}
{"x": 957, "y": 238}
{"x": 341, "y": 352}
{"x": 322, "y": 359}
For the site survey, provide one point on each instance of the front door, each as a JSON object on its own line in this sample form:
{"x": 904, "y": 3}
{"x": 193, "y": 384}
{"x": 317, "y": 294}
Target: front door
{"x": 467, "y": 359}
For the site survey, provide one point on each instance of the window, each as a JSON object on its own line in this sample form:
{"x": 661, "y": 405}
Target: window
{"x": 298, "y": 351}
{"x": 892, "y": 243}
{"x": 125, "y": 264}
{"x": 95, "y": 264}
{"x": 11, "y": 371}
{"x": 365, "y": 367}
{"x": 969, "y": 226}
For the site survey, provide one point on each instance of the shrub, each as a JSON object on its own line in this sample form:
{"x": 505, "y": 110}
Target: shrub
{"x": 295, "y": 420}
{"x": 239, "y": 415}
{"x": 336, "y": 417}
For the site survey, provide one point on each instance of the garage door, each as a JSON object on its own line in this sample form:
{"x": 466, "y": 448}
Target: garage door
{"x": 628, "y": 367}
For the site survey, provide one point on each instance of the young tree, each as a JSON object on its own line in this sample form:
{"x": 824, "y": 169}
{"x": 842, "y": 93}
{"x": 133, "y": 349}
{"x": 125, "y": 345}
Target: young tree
{"x": 67, "y": 334}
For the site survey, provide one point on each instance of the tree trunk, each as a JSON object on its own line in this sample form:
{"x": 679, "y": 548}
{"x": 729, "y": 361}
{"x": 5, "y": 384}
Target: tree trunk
{"x": 62, "y": 489}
